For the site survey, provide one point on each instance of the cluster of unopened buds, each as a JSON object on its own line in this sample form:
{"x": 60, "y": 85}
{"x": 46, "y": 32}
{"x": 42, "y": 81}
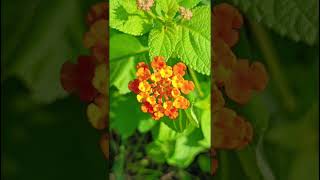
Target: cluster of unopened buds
{"x": 161, "y": 92}
{"x": 88, "y": 77}
{"x": 185, "y": 13}
{"x": 237, "y": 77}
{"x": 146, "y": 5}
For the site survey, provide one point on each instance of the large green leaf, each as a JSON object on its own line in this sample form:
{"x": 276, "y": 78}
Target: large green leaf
{"x": 126, "y": 114}
{"x": 162, "y": 41}
{"x": 297, "y": 19}
{"x": 122, "y": 60}
{"x": 126, "y": 17}
{"x": 121, "y": 74}
{"x": 186, "y": 149}
{"x": 146, "y": 125}
{"x": 194, "y": 40}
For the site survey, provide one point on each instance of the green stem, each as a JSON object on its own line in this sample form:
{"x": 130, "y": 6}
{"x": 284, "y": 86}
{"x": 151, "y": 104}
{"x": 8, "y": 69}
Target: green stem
{"x": 196, "y": 82}
{"x": 151, "y": 14}
{"x": 154, "y": 16}
{"x": 272, "y": 61}
{"x": 130, "y": 55}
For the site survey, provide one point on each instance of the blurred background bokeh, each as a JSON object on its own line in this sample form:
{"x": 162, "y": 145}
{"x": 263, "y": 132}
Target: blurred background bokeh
{"x": 45, "y": 133}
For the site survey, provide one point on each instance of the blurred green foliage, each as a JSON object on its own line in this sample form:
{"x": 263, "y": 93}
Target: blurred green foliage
{"x": 44, "y": 134}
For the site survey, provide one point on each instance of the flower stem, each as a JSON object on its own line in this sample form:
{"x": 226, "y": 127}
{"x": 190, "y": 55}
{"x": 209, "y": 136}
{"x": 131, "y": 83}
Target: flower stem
{"x": 196, "y": 82}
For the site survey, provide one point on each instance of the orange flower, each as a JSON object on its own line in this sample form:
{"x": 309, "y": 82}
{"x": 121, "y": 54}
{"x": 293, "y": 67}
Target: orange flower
{"x": 259, "y": 77}
{"x": 142, "y": 96}
{"x": 223, "y": 61}
{"x": 143, "y": 73}
{"x": 175, "y": 92}
{"x": 96, "y": 40}
{"x": 231, "y": 131}
{"x": 97, "y": 12}
{"x": 159, "y": 92}
{"x": 181, "y": 103}
{"x": 187, "y": 87}
{"x": 134, "y": 86}
{"x": 244, "y": 80}
{"x": 226, "y": 22}
{"x": 177, "y": 81}
{"x": 142, "y": 65}
{"x": 156, "y": 77}
{"x": 158, "y": 63}
{"x": 179, "y": 69}
{"x": 166, "y": 72}
{"x": 144, "y": 86}
{"x": 151, "y": 100}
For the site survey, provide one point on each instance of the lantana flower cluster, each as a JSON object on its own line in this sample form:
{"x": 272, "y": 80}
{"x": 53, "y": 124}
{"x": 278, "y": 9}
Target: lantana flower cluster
{"x": 237, "y": 78}
{"x": 87, "y": 78}
{"x": 161, "y": 92}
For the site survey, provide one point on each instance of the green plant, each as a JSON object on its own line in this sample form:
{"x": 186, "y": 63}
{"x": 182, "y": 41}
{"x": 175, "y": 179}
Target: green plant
{"x": 178, "y": 31}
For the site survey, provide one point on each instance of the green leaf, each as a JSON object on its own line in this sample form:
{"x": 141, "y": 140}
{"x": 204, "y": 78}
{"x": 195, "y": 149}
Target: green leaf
{"x": 179, "y": 124}
{"x": 162, "y": 41}
{"x": 194, "y": 40}
{"x": 296, "y": 19}
{"x": 192, "y": 117}
{"x": 126, "y": 17}
{"x": 185, "y": 152}
{"x": 188, "y": 3}
{"x": 121, "y": 74}
{"x": 166, "y": 133}
{"x": 159, "y": 151}
{"x": 122, "y": 106}
{"x": 205, "y": 119}
{"x": 146, "y": 125}
{"x": 132, "y": 47}
{"x": 168, "y": 7}
{"x": 122, "y": 60}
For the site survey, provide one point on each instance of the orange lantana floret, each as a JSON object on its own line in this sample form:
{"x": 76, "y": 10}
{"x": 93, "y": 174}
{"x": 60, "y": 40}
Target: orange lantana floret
{"x": 181, "y": 103}
{"x": 179, "y": 69}
{"x": 166, "y": 72}
{"x": 160, "y": 91}
{"x": 175, "y": 92}
{"x": 143, "y": 73}
{"x": 187, "y": 87}
{"x": 177, "y": 81}
{"x": 144, "y": 86}
{"x": 158, "y": 63}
